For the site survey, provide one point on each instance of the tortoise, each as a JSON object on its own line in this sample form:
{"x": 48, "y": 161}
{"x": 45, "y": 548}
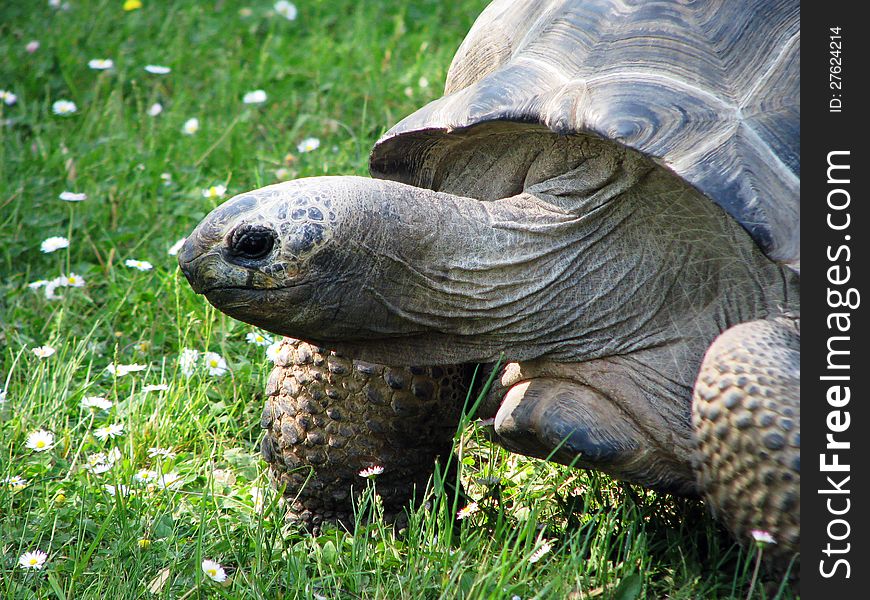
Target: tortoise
{"x": 606, "y": 197}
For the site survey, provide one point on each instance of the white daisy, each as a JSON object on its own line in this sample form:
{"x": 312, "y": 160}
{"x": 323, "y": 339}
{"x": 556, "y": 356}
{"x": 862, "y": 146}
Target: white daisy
{"x": 71, "y": 280}
{"x": 159, "y": 387}
{"x": 169, "y": 481}
{"x": 72, "y": 196}
{"x": 35, "y": 285}
{"x": 155, "y": 109}
{"x": 145, "y": 476}
{"x": 142, "y": 265}
{"x": 762, "y": 537}
{"x": 157, "y": 69}
{"x": 64, "y": 107}
{"x": 540, "y": 552}
{"x": 273, "y": 352}
{"x": 2, "y": 396}
{"x": 308, "y": 144}
{"x": 187, "y": 361}
{"x": 190, "y": 126}
{"x": 123, "y": 490}
{"x": 166, "y": 178}
{"x": 215, "y": 364}
{"x": 174, "y": 248}
{"x": 51, "y": 286}
{"x": 255, "y": 97}
{"x": 54, "y": 243}
{"x": 109, "y": 431}
{"x": 32, "y": 46}
{"x": 467, "y": 511}
{"x": 98, "y": 463}
{"x": 101, "y": 64}
{"x": 15, "y": 482}
{"x": 371, "y": 471}
{"x": 286, "y": 10}
{"x": 121, "y": 370}
{"x": 258, "y": 339}
{"x": 215, "y": 192}
{"x": 32, "y": 560}
{"x": 40, "y": 441}
{"x": 214, "y": 570}
{"x": 158, "y": 452}
{"x": 97, "y": 402}
{"x": 44, "y": 351}
{"x": 423, "y": 82}
{"x": 8, "y": 98}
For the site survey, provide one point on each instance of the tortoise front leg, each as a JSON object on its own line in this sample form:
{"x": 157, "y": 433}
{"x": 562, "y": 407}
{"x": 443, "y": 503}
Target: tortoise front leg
{"x": 328, "y": 417}
{"x": 746, "y": 416}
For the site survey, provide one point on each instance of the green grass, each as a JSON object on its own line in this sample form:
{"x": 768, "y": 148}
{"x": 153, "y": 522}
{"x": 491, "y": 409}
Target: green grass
{"x": 343, "y": 72}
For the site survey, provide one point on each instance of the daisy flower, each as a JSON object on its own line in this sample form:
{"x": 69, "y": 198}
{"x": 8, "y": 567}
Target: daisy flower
{"x": 64, "y": 107}
{"x": 215, "y": 364}
{"x": 97, "y": 402}
{"x": 101, "y": 64}
{"x": 187, "y": 361}
{"x": 174, "y": 248}
{"x": 169, "y": 481}
{"x": 145, "y": 476}
{"x": 190, "y": 126}
{"x": 51, "y": 286}
{"x": 371, "y": 471}
{"x": 467, "y": 511}
{"x": 423, "y": 82}
{"x": 214, "y": 192}
{"x": 2, "y": 396}
{"x": 540, "y": 552}
{"x": 40, "y": 441}
{"x": 142, "y": 265}
{"x": 121, "y": 370}
{"x": 100, "y": 462}
{"x": 273, "y": 352}
{"x": 71, "y": 280}
{"x": 32, "y": 560}
{"x": 8, "y": 98}
{"x": 35, "y": 285}
{"x": 109, "y": 431}
{"x": 155, "y": 109}
{"x": 32, "y": 46}
{"x": 54, "y": 243}
{"x": 15, "y": 482}
{"x": 255, "y": 97}
{"x": 123, "y": 490}
{"x": 72, "y": 196}
{"x": 258, "y": 339}
{"x": 158, "y": 452}
{"x": 762, "y": 537}
{"x": 159, "y": 387}
{"x": 308, "y": 145}
{"x": 44, "y": 351}
{"x": 214, "y": 570}
{"x": 286, "y": 10}
{"x": 157, "y": 69}
{"x": 166, "y": 178}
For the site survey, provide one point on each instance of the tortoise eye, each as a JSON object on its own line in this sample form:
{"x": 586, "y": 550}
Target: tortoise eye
{"x": 252, "y": 241}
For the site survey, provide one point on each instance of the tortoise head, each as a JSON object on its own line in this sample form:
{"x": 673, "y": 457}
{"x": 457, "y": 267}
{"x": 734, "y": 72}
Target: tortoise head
{"x": 267, "y": 256}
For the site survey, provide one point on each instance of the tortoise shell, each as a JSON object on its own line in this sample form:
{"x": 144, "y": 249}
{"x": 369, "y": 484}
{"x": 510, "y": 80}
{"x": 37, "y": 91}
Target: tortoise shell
{"x": 708, "y": 90}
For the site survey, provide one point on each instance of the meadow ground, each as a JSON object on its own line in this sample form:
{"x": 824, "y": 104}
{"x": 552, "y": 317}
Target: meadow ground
{"x": 129, "y": 410}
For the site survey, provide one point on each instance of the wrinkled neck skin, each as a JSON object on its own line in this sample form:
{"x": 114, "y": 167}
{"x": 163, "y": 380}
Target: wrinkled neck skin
{"x": 631, "y": 260}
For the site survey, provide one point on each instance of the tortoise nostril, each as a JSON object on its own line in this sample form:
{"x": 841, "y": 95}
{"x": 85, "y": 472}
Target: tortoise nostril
{"x": 252, "y": 241}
